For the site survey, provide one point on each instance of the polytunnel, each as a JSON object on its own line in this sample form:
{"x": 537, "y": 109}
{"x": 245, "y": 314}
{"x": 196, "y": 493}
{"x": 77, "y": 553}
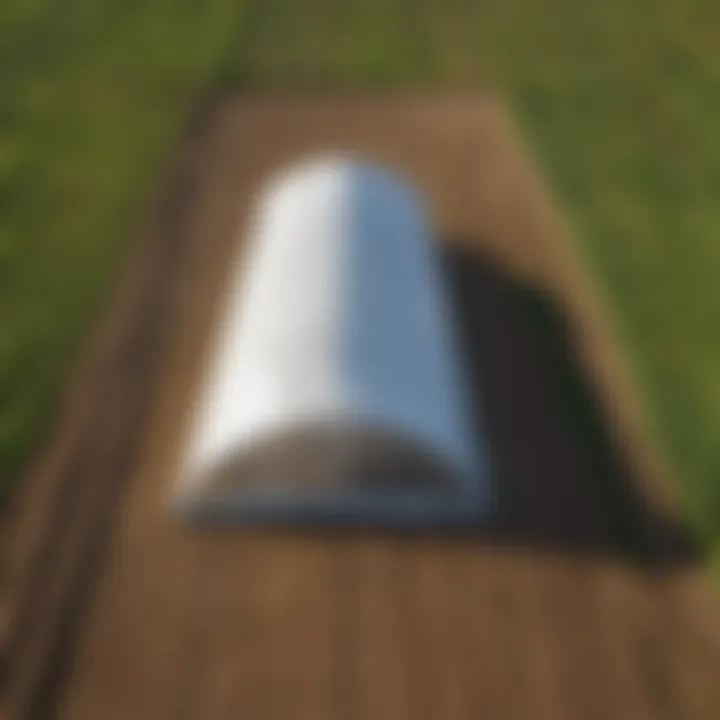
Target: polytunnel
{"x": 335, "y": 389}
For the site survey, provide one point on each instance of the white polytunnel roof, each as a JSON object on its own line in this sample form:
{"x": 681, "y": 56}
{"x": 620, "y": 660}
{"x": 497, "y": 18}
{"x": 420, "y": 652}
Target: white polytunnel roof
{"x": 335, "y": 387}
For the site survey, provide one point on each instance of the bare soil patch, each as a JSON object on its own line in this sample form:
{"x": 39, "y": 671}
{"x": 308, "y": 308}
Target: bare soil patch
{"x": 579, "y": 600}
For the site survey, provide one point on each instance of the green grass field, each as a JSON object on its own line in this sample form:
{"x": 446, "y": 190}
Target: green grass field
{"x": 620, "y": 100}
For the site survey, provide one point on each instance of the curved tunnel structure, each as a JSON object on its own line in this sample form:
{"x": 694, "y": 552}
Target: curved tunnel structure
{"x": 335, "y": 388}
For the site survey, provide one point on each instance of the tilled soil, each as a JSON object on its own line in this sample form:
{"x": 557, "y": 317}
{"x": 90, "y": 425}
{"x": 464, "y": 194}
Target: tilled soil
{"x": 578, "y": 600}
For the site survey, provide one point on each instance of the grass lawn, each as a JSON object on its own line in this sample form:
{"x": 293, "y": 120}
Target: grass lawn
{"x": 620, "y": 99}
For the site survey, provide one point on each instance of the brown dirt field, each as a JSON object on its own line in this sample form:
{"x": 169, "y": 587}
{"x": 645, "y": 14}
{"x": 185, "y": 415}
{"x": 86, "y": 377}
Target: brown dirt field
{"x": 580, "y": 599}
